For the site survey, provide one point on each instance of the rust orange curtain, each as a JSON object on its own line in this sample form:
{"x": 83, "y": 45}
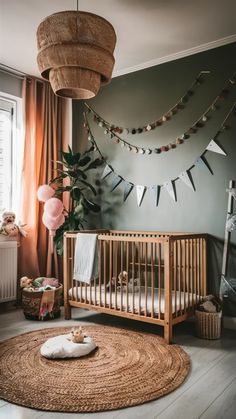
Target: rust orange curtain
{"x": 47, "y": 126}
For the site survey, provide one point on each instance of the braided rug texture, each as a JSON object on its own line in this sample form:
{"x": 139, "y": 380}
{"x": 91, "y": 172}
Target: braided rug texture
{"x": 128, "y": 368}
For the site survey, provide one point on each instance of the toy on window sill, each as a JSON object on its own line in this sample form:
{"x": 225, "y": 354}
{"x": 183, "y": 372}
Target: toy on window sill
{"x": 8, "y": 226}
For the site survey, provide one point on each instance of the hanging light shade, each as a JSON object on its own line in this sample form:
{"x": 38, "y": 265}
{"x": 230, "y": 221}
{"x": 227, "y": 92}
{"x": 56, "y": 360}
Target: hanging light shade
{"x": 75, "y": 53}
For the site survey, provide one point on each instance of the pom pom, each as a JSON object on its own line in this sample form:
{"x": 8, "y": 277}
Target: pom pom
{"x": 45, "y": 192}
{"x": 53, "y": 223}
{"x": 53, "y": 207}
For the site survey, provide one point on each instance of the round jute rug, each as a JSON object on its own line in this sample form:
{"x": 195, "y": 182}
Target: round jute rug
{"x": 128, "y": 368}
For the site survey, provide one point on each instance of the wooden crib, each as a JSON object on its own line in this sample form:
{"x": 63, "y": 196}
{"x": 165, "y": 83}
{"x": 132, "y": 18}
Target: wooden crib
{"x": 166, "y": 276}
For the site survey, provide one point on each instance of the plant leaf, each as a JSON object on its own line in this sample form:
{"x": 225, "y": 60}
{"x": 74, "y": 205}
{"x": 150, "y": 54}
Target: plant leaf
{"x": 94, "y": 164}
{"x": 76, "y": 193}
{"x": 85, "y": 160}
{"x": 88, "y": 185}
{"x": 92, "y": 206}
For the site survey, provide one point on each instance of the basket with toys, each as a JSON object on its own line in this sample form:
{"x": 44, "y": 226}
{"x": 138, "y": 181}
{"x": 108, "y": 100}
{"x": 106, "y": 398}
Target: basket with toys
{"x": 41, "y": 298}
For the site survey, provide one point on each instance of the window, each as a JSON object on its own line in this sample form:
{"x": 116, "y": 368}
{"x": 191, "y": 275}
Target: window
{"x": 11, "y": 152}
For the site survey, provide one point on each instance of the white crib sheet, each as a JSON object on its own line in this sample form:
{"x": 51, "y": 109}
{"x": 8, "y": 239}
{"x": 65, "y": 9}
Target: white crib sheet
{"x": 177, "y": 304}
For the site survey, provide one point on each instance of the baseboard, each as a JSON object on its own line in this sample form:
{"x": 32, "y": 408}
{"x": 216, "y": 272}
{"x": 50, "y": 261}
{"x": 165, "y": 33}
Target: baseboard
{"x": 229, "y": 323}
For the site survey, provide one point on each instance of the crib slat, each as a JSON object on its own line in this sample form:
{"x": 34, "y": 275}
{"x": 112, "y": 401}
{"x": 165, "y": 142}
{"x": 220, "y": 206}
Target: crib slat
{"x": 105, "y": 272}
{"x": 198, "y": 267}
{"x": 133, "y": 277}
{"x": 175, "y": 277}
{"x": 187, "y": 270}
{"x": 159, "y": 281}
{"x": 122, "y": 268}
{"x": 184, "y": 272}
{"x": 192, "y": 275}
{"x": 115, "y": 271}
{"x": 152, "y": 279}
{"x": 145, "y": 258}
{"x": 179, "y": 273}
{"x": 127, "y": 270}
{"x": 194, "y": 266}
{"x": 140, "y": 245}
{"x": 204, "y": 263}
{"x": 100, "y": 271}
{"x": 110, "y": 273}
{"x": 72, "y": 268}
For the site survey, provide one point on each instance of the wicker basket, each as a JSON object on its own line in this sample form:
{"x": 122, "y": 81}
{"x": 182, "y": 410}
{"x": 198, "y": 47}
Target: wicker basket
{"x": 208, "y": 325}
{"x": 31, "y": 302}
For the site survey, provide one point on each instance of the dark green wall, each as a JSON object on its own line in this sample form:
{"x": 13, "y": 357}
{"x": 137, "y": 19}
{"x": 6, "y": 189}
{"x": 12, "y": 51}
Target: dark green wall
{"x": 143, "y": 96}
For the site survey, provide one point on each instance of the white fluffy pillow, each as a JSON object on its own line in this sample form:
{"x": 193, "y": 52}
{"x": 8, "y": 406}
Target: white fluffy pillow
{"x": 61, "y": 347}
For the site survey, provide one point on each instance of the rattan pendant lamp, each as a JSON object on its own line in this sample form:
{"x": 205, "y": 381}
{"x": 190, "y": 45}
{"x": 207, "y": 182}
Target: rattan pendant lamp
{"x": 75, "y": 53}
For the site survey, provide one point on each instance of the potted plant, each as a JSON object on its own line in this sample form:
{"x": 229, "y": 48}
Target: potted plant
{"x": 75, "y": 167}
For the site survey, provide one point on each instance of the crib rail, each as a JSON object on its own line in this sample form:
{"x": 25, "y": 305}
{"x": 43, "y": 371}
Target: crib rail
{"x": 150, "y": 276}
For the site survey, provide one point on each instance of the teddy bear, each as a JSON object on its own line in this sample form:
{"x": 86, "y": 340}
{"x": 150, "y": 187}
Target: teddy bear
{"x": 123, "y": 278}
{"x": 8, "y": 226}
{"x": 76, "y": 335}
{"x": 26, "y": 283}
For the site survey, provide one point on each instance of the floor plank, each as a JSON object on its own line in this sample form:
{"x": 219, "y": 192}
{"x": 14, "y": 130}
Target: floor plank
{"x": 224, "y": 406}
{"x": 197, "y": 398}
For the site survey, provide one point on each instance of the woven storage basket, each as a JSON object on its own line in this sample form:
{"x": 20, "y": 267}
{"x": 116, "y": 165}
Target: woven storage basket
{"x": 31, "y": 301}
{"x": 208, "y": 325}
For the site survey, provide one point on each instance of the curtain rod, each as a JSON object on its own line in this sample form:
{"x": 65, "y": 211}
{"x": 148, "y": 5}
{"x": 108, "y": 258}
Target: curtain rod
{"x": 17, "y": 73}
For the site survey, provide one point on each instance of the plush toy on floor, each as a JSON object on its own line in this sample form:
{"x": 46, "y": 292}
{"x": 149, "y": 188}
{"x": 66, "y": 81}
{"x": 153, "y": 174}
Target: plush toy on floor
{"x": 76, "y": 335}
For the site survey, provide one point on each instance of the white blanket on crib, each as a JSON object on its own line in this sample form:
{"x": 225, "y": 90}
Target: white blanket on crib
{"x": 86, "y": 257}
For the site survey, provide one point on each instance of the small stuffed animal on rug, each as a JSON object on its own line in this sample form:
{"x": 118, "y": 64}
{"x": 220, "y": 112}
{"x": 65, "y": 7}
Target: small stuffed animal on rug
{"x": 76, "y": 335}
{"x": 26, "y": 282}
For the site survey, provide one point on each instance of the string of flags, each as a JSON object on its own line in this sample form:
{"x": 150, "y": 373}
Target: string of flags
{"x": 169, "y": 186}
{"x": 199, "y": 123}
{"x": 178, "y": 106}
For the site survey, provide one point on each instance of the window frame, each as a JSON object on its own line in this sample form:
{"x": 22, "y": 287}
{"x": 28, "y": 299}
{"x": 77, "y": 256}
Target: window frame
{"x": 17, "y": 149}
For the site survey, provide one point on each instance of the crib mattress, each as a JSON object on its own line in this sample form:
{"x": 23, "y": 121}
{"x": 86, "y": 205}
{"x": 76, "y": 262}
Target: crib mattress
{"x": 179, "y": 302}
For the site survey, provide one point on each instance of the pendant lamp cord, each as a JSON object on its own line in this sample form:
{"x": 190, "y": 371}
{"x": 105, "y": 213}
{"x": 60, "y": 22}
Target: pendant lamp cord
{"x": 77, "y": 5}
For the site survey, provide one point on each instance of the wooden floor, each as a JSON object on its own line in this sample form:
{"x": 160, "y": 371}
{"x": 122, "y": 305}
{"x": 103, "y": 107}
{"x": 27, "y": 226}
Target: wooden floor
{"x": 208, "y": 393}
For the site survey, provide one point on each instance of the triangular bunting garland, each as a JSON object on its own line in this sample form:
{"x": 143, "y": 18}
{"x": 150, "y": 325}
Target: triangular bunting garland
{"x": 128, "y": 189}
{"x": 215, "y": 148}
{"x": 169, "y": 186}
{"x": 155, "y": 192}
{"x": 201, "y": 163}
{"x": 140, "y": 193}
{"x": 116, "y": 181}
{"x": 187, "y": 179}
{"x": 107, "y": 171}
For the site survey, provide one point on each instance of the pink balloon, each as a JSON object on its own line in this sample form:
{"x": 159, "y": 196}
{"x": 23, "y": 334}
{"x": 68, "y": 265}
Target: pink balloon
{"x": 45, "y": 192}
{"x": 53, "y": 223}
{"x": 53, "y": 207}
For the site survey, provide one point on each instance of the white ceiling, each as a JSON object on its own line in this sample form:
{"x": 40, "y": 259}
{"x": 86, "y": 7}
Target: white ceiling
{"x": 148, "y": 31}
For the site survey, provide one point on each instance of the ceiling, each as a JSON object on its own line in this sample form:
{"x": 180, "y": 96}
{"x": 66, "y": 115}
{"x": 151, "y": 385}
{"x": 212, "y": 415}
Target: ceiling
{"x": 148, "y": 32}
